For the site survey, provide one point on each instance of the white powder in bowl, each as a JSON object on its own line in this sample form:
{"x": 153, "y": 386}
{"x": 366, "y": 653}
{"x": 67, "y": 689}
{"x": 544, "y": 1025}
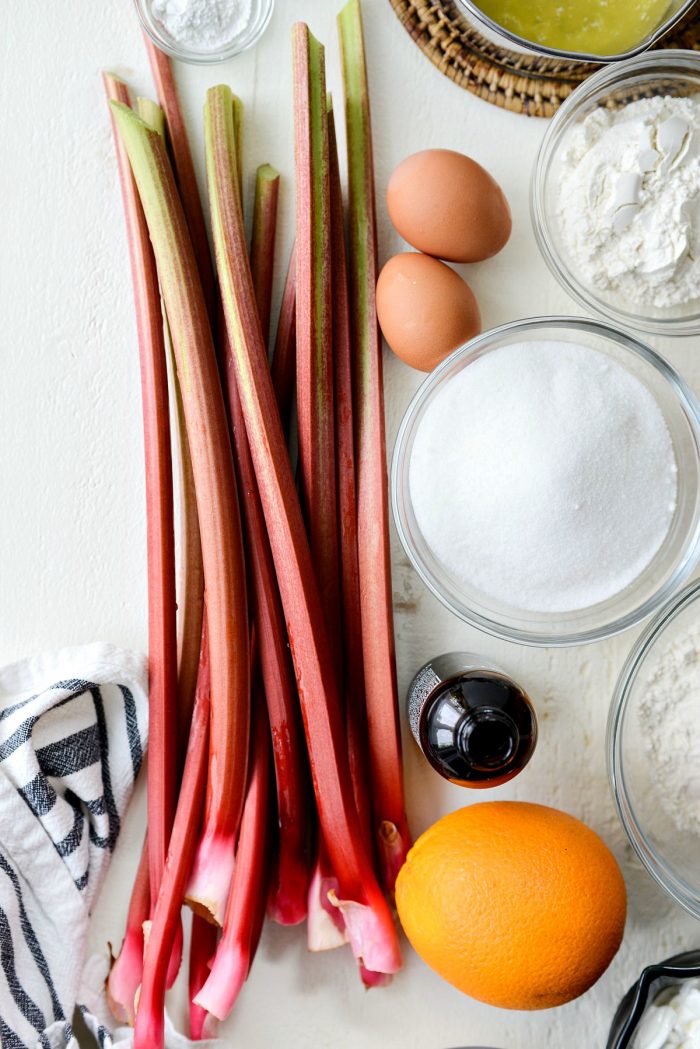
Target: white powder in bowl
{"x": 543, "y": 474}
{"x": 628, "y": 200}
{"x": 669, "y": 715}
{"x": 204, "y": 25}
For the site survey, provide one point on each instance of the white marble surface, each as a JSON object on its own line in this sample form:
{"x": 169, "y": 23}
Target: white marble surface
{"x": 72, "y": 530}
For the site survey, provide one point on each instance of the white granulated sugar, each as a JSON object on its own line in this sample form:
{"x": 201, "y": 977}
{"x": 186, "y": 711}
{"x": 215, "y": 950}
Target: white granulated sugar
{"x": 544, "y": 475}
{"x": 205, "y": 25}
{"x": 669, "y": 714}
{"x": 628, "y": 201}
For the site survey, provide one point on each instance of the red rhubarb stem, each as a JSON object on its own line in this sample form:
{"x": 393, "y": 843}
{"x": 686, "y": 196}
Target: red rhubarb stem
{"x": 125, "y": 975}
{"x": 149, "y": 1029}
{"x": 370, "y": 443}
{"x": 284, "y": 357}
{"x": 162, "y": 635}
{"x": 246, "y": 903}
{"x": 314, "y": 329}
{"x": 353, "y": 664}
{"x": 374, "y": 935}
{"x": 217, "y": 507}
{"x": 190, "y": 581}
{"x": 190, "y": 587}
{"x": 291, "y": 876}
{"x": 178, "y": 143}
{"x": 262, "y": 248}
{"x": 202, "y": 950}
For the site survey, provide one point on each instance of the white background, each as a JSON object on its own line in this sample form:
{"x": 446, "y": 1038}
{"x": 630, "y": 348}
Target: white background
{"x": 72, "y": 530}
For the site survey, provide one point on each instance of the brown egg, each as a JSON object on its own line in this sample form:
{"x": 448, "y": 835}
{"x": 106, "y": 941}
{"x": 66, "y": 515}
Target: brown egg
{"x": 425, "y": 309}
{"x": 447, "y": 205}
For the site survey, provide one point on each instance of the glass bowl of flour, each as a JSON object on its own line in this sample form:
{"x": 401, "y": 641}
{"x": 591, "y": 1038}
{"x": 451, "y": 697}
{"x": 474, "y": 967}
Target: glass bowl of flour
{"x": 615, "y": 193}
{"x": 654, "y": 748}
{"x": 203, "y": 32}
{"x": 546, "y": 481}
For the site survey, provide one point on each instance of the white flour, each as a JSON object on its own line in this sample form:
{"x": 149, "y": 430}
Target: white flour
{"x": 205, "y": 25}
{"x": 669, "y": 715}
{"x": 544, "y": 475}
{"x": 628, "y": 202}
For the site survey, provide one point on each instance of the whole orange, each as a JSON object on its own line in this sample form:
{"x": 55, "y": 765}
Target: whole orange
{"x": 518, "y": 905}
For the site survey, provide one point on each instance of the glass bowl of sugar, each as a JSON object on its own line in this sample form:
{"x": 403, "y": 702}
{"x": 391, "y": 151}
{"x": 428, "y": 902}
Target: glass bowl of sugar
{"x": 654, "y": 748}
{"x": 204, "y": 33}
{"x": 546, "y": 481}
{"x": 615, "y": 193}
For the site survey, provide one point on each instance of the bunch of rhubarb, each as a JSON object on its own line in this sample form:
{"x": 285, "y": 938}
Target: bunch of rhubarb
{"x": 275, "y": 769}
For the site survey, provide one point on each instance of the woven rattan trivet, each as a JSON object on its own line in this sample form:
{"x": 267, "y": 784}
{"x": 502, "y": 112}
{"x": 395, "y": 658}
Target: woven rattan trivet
{"x": 523, "y": 83}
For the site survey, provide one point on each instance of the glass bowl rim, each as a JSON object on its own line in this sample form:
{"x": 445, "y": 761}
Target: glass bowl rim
{"x": 685, "y": 895}
{"x": 202, "y": 58}
{"x": 578, "y": 56}
{"x": 554, "y": 639}
{"x": 634, "y": 1003}
{"x": 678, "y": 327}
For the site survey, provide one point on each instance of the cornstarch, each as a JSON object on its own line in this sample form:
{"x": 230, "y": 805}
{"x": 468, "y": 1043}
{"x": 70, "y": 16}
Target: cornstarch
{"x": 628, "y": 203}
{"x": 205, "y": 25}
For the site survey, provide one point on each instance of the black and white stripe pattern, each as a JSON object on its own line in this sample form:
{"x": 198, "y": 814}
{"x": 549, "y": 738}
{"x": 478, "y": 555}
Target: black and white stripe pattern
{"x": 72, "y": 736}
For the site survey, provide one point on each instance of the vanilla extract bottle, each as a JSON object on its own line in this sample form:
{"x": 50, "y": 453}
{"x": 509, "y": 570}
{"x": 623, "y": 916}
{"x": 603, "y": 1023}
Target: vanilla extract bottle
{"x": 474, "y": 724}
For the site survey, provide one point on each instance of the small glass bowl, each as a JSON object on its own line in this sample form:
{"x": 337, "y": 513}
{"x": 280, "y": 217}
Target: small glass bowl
{"x": 261, "y": 12}
{"x": 677, "y": 9}
{"x": 668, "y": 570}
{"x": 653, "y": 981}
{"x": 671, "y": 857}
{"x": 669, "y": 72}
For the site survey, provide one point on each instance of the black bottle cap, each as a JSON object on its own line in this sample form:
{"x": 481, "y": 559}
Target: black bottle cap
{"x": 478, "y": 729}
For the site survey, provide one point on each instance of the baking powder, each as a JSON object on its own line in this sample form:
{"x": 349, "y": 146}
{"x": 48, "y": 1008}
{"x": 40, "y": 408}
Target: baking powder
{"x": 669, "y": 714}
{"x": 205, "y": 25}
{"x": 628, "y": 200}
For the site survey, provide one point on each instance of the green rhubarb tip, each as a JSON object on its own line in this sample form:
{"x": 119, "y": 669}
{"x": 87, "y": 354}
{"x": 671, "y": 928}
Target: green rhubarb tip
{"x": 267, "y": 173}
{"x": 238, "y": 113}
{"x": 360, "y": 174}
{"x": 221, "y": 146}
{"x": 151, "y": 114}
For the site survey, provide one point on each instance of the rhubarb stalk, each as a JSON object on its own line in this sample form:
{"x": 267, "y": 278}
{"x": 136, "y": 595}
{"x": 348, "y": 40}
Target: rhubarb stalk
{"x": 125, "y": 975}
{"x": 149, "y": 1028}
{"x": 166, "y": 90}
{"x": 370, "y": 443}
{"x": 314, "y": 330}
{"x": 353, "y": 666}
{"x": 284, "y": 357}
{"x": 202, "y": 950}
{"x": 291, "y": 876}
{"x": 262, "y": 253}
{"x": 238, "y": 942}
{"x": 217, "y": 506}
{"x": 162, "y": 635}
{"x": 190, "y": 582}
{"x": 367, "y": 914}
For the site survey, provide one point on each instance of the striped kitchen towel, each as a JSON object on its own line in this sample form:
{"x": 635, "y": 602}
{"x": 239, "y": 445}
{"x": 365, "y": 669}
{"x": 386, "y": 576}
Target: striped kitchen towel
{"x": 73, "y": 728}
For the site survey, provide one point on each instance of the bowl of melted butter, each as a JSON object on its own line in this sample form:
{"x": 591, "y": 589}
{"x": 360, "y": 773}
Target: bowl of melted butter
{"x": 587, "y": 30}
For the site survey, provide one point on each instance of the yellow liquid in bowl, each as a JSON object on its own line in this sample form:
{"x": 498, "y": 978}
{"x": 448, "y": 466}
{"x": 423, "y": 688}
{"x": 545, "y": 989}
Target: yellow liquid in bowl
{"x": 597, "y": 27}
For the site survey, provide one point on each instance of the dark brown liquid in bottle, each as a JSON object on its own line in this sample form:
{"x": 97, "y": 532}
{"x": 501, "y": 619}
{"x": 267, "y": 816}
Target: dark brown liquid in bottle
{"x": 478, "y": 729}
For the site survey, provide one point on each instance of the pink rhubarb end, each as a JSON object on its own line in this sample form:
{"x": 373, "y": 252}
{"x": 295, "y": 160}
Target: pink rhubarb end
{"x": 124, "y": 978}
{"x": 149, "y": 1031}
{"x": 210, "y": 881}
{"x": 371, "y": 979}
{"x": 325, "y": 930}
{"x": 371, "y": 933}
{"x": 228, "y": 974}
